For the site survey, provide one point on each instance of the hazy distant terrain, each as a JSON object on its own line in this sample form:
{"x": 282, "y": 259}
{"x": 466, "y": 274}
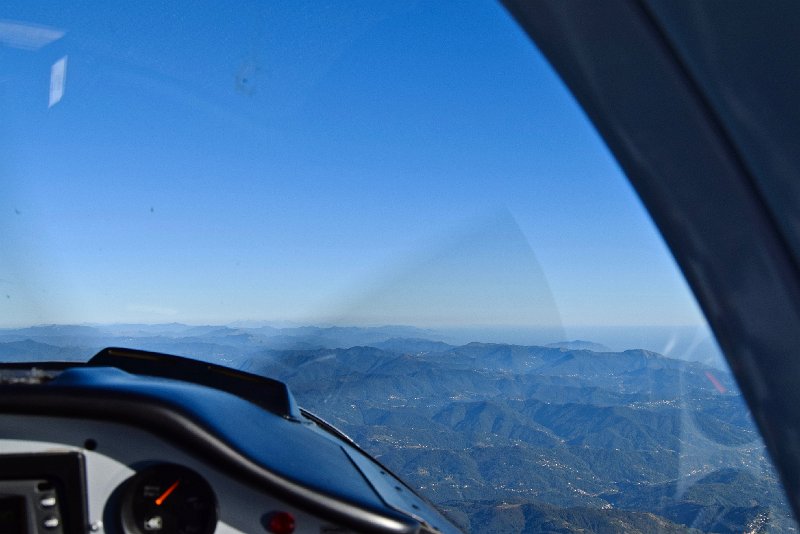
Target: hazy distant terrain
{"x": 569, "y": 437}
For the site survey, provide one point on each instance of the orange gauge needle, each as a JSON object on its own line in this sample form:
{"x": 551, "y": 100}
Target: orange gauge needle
{"x": 166, "y": 494}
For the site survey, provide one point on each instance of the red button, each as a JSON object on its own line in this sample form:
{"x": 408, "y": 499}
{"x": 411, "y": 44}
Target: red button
{"x": 280, "y": 523}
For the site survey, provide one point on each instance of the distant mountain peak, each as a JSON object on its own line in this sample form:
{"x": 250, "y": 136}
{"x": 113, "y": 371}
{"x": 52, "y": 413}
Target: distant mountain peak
{"x": 579, "y": 344}
{"x": 476, "y": 344}
{"x": 413, "y": 345}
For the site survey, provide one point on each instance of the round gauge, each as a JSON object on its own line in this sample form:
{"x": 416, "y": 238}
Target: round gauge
{"x": 168, "y": 499}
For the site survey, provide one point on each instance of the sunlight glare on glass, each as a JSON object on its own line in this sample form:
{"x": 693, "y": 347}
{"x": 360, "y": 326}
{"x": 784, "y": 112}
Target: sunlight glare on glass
{"x": 58, "y": 77}
{"x": 27, "y": 36}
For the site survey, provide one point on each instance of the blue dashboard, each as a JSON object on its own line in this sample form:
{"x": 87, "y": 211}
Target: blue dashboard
{"x": 132, "y": 448}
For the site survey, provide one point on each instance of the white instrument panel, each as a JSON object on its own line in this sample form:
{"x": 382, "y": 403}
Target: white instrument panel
{"x": 114, "y": 452}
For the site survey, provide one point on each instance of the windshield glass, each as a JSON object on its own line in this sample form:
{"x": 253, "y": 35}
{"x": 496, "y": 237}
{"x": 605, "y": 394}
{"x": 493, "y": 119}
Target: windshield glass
{"x": 399, "y": 210}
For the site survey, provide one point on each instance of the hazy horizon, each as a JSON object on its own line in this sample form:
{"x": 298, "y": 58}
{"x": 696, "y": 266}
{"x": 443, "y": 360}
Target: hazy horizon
{"x": 682, "y": 342}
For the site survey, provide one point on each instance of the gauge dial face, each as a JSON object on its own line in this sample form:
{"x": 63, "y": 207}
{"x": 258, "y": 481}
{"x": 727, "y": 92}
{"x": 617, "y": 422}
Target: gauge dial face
{"x": 168, "y": 499}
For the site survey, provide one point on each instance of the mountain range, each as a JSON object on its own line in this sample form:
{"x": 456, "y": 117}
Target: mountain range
{"x": 568, "y": 437}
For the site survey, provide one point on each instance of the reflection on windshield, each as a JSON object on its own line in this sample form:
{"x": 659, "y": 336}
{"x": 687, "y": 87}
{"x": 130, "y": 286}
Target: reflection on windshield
{"x": 399, "y": 211}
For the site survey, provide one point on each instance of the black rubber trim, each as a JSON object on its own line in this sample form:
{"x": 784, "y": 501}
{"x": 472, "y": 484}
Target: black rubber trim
{"x": 271, "y": 395}
{"x": 174, "y": 425}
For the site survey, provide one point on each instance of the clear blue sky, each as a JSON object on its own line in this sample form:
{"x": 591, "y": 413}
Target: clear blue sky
{"x": 374, "y": 162}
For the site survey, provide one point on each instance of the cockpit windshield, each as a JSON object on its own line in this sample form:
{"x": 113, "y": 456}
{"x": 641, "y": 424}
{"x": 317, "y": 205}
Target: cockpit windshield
{"x": 398, "y": 209}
